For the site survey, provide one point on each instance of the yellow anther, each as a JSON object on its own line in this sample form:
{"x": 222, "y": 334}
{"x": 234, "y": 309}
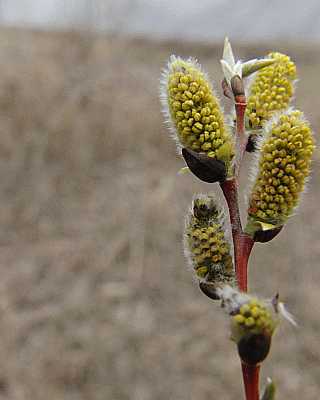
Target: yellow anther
{"x": 201, "y": 272}
{"x": 249, "y": 322}
{"x": 255, "y": 312}
{"x": 239, "y": 319}
{"x": 245, "y": 310}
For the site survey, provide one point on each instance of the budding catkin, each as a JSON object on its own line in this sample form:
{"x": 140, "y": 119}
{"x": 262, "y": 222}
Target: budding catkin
{"x": 194, "y": 110}
{"x": 284, "y": 166}
{"x": 252, "y": 328}
{"x": 252, "y": 317}
{"x": 271, "y": 90}
{"x": 206, "y": 246}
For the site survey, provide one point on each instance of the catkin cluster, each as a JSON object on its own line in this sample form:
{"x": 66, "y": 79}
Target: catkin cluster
{"x": 284, "y": 166}
{"x": 194, "y": 110}
{"x": 271, "y": 90}
{"x": 254, "y": 318}
{"x": 206, "y": 246}
{"x": 253, "y": 322}
{"x": 252, "y": 327}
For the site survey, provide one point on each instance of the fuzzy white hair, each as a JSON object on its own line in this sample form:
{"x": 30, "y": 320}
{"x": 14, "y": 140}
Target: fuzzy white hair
{"x": 232, "y": 299}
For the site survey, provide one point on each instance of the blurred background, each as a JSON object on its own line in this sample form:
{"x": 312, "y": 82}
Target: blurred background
{"x": 96, "y": 300}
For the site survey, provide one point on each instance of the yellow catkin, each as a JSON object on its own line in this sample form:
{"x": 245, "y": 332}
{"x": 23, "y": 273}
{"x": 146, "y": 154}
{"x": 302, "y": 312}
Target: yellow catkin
{"x": 206, "y": 245}
{"x": 271, "y": 90}
{"x": 284, "y": 166}
{"x": 253, "y": 317}
{"x": 195, "y": 112}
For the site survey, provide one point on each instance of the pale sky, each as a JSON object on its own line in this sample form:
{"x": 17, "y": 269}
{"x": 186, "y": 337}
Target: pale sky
{"x": 190, "y": 19}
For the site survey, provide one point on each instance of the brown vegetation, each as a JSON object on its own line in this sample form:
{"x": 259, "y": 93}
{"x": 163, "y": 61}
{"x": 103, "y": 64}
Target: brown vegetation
{"x": 96, "y": 300}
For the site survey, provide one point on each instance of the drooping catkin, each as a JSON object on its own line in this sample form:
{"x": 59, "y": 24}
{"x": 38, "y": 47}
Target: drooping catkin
{"x": 253, "y": 317}
{"x": 194, "y": 111}
{"x": 206, "y": 246}
{"x": 252, "y": 328}
{"x": 271, "y": 90}
{"x": 283, "y": 168}
{"x": 253, "y": 322}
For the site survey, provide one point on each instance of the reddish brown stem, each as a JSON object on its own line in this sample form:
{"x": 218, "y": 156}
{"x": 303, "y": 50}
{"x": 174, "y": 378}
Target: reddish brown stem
{"x": 242, "y": 242}
{"x": 246, "y": 244}
{"x": 230, "y": 191}
{"x": 251, "y": 381}
{"x": 242, "y": 139}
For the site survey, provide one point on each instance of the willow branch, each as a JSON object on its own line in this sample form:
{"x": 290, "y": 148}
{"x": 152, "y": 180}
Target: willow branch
{"x": 242, "y": 242}
{"x": 251, "y": 381}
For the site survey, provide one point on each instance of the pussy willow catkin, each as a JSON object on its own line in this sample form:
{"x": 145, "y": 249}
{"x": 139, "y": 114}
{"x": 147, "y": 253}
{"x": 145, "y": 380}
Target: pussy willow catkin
{"x": 253, "y": 322}
{"x": 194, "y": 111}
{"x": 284, "y": 166}
{"x": 207, "y": 248}
{"x": 271, "y": 90}
{"x": 252, "y": 317}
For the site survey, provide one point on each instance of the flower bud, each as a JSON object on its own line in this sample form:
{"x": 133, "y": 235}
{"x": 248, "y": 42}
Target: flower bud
{"x": 252, "y": 328}
{"x": 206, "y": 246}
{"x": 254, "y": 317}
{"x": 194, "y": 112}
{"x": 271, "y": 90}
{"x": 283, "y": 168}
{"x": 203, "y": 167}
{"x": 254, "y": 348}
{"x": 253, "y": 322}
{"x": 230, "y": 67}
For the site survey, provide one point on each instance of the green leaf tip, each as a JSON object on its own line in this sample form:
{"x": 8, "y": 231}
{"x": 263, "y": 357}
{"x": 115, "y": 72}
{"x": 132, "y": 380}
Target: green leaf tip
{"x": 252, "y": 66}
{"x": 269, "y": 391}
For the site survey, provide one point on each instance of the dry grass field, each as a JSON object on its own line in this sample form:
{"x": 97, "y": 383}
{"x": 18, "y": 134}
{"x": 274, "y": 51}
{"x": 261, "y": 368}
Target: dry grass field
{"x": 96, "y": 301}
